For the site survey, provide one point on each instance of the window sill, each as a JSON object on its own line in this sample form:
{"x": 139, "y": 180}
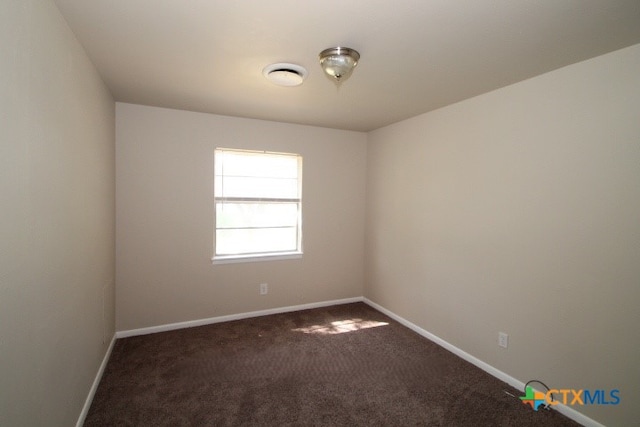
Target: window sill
{"x": 236, "y": 259}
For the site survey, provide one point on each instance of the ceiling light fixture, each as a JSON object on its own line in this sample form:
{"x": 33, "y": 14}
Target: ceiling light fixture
{"x": 284, "y": 74}
{"x": 338, "y": 62}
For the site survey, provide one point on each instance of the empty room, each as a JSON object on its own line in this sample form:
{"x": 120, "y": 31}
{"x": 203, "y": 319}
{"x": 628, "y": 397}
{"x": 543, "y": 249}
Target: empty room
{"x": 319, "y": 212}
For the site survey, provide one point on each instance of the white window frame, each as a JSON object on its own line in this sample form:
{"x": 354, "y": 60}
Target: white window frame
{"x": 221, "y": 198}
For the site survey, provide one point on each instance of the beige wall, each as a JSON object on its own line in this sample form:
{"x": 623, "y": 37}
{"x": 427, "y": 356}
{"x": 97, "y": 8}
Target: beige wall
{"x": 165, "y": 217}
{"x": 57, "y": 221}
{"x": 519, "y": 211}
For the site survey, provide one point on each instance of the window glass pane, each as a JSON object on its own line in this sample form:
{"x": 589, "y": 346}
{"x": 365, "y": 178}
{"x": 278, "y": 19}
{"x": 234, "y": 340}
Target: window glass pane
{"x": 253, "y": 187}
{"x": 260, "y": 240}
{"x": 264, "y": 213}
{"x": 251, "y": 214}
{"x": 238, "y": 163}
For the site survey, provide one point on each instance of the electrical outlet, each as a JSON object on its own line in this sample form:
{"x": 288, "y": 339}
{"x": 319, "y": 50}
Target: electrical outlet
{"x": 503, "y": 339}
{"x": 264, "y": 288}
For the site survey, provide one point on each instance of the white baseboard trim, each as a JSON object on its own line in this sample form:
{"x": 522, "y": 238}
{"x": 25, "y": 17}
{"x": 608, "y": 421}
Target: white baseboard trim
{"x": 96, "y": 382}
{"x": 563, "y": 409}
{"x": 230, "y": 317}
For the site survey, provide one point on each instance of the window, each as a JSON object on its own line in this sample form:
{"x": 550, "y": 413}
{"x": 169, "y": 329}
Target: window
{"x": 258, "y": 204}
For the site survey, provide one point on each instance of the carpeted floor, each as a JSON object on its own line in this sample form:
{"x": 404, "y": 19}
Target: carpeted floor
{"x": 346, "y": 365}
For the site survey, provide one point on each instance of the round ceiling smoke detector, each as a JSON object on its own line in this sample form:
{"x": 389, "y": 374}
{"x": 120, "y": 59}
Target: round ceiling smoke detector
{"x": 284, "y": 74}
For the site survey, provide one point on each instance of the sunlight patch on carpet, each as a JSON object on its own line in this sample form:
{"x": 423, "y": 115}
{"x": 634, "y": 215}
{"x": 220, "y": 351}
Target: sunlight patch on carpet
{"x": 340, "y": 327}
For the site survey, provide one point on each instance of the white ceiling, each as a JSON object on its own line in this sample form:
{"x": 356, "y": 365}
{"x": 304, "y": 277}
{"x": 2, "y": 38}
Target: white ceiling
{"x": 417, "y": 55}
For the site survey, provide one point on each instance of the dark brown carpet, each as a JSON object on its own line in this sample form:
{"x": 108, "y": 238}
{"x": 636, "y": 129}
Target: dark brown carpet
{"x": 346, "y": 365}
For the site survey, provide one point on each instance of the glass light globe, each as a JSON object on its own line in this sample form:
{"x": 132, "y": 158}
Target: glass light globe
{"x": 338, "y": 62}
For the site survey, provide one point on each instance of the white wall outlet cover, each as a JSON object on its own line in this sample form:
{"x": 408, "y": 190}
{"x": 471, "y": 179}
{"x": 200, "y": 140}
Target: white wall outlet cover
{"x": 503, "y": 339}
